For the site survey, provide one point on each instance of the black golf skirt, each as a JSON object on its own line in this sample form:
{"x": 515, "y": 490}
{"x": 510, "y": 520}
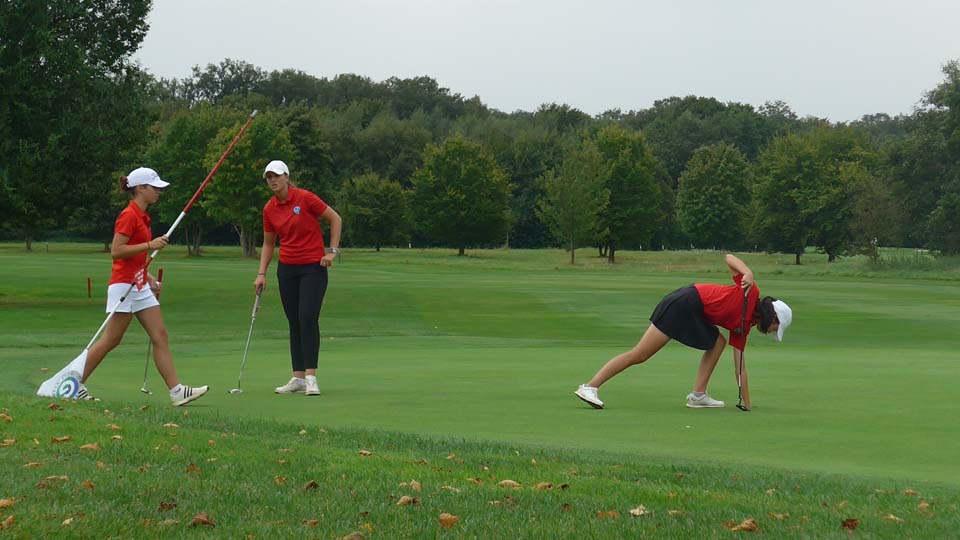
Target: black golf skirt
{"x": 680, "y": 316}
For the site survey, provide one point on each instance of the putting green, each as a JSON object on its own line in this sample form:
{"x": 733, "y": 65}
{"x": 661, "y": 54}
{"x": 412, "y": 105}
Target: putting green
{"x": 491, "y": 346}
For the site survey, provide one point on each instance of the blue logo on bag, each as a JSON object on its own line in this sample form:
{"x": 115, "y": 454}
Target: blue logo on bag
{"x": 296, "y": 210}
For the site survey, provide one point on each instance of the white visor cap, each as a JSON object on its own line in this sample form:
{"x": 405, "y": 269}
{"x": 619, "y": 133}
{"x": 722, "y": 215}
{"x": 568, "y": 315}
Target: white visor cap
{"x": 276, "y": 167}
{"x": 784, "y": 315}
{"x": 145, "y": 177}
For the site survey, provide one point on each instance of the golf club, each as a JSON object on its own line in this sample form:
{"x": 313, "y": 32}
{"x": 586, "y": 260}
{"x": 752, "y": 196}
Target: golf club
{"x": 146, "y": 364}
{"x": 253, "y": 319}
{"x": 742, "y": 330}
{"x": 66, "y": 382}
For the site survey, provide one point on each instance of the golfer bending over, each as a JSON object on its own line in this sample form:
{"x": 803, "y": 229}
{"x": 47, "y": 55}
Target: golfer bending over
{"x": 291, "y": 216}
{"x": 691, "y": 315}
{"x": 132, "y": 239}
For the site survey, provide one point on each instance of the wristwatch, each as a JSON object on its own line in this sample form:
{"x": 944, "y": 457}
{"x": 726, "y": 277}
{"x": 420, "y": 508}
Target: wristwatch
{"x": 335, "y": 251}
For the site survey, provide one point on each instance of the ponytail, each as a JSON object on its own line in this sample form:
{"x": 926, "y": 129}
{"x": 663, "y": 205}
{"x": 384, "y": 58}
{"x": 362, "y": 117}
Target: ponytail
{"x": 123, "y": 184}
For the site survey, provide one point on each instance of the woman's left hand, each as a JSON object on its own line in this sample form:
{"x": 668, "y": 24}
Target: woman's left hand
{"x": 327, "y": 259}
{"x": 155, "y": 285}
{"x": 746, "y": 282}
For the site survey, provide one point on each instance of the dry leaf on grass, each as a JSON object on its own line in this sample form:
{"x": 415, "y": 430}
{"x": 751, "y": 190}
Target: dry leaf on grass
{"x": 564, "y": 486}
{"x": 365, "y": 453}
{"x": 910, "y": 492}
{"x": 54, "y": 407}
{"x": 749, "y": 525}
{"x": 639, "y": 511}
{"x": 285, "y": 450}
{"x": 450, "y": 488}
{"x": 176, "y": 448}
{"x": 891, "y": 517}
{"x": 7, "y": 522}
{"x": 91, "y": 446}
{"x": 113, "y": 427}
{"x": 192, "y": 469}
{"x": 302, "y": 432}
{"x": 279, "y": 480}
{"x": 311, "y": 522}
{"x": 771, "y": 491}
{"x": 33, "y": 465}
{"x": 924, "y": 506}
{"x": 202, "y": 519}
{"x": 780, "y": 517}
{"x": 674, "y": 513}
{"x": 608, "y": 514}
{"x": 58, "y": 440}
{"x": 355, "y": 535}
{"x": 8, "y": 442}
{"x": 7, "y": 503}
{"x": 166, "y": 506}
{"x": 6, "y": 417}
{"x": 101, "y": 465}
{"x": 66, "y": 522}
{"x": 311, "y": 485}
{"x": 407, "y": 500}
{"x": 476, "y": 481}
{"x": 169, "y": 522}
{"x": 211, "y": 442}
{"x": 509, "y": 484}
{"x": 87, "y": 484}
{"x": 447, "y": 521}
{"x": 170, "y": 425}
{"x": 543, "y": 486}
{"x": 850, "y": 523}
{"x": 452, "y": 455}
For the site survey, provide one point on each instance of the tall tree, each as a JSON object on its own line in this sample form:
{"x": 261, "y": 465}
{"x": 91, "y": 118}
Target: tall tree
{"x": 713, "y": 197}
{"x": 461, "y": 197}
{"x": 574, "y": 199}
{"x": 632, "y": 177}
{"x": 57, "y": 59}
{"x": 375, "y": 212}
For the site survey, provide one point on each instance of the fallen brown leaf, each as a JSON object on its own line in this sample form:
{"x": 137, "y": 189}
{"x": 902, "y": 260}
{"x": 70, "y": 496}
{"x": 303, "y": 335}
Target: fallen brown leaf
{"x": 176, "y": 448}
{"x": 476, "y": 481}
{"x": 7, "y": 522}
{"x": 211, "y": 442}
{"x": 509, "y": 484}
{"x": 303, "y": 432}
{"x": 749, "y": 525}
{"x": 33, "y": 465}
{"x": 202, "y": 519}
{"x": 172, "y": 426}
{"x": 365, "y": 453}
{"x": 101, "y": 465}
{"x": 779, "y": 517}
{"x": 116, "y": 438}
{"x": 311, "y": 485}
{"x": 639, "y": 511}
{"x": 166, "y": 506}
{"x": 543, "y": 486}
{"x": 168, "y": 522}
{"x": 565, "y": 507}
{"x": 608, "y": 514}
{"x": 6, "y": 417}
{"x": 450, "y": 488}
{"x": 44, "y": 369}
{"x": 891, "y": 517}
{"x": 414, "y": 485}
{"x": 674, "y": 513}
{"x": 90, "y": 446}
{"x": 407, "y": 500}
{"x": 66, "y": 522}
{"x": 910, "y": 492}
{"x": 771, "y": 491}
{"x": 54, "y": 407}
{"x": 7, "y": 503}
{"x": 850, "y": 524}
{"x": 451, "y": 456}
{"x": 58, "y": 440}
{"x": 285, "y": 450}
{"x": 355, "y": 535}
{"x": 279, "y": 480}
{"x": 8, "y": 442}
{"x": 447, "y": 521}
{"x": 87, "y": 484}
{"x": 311, "y": 522}
{"x": 113, "y": 427}
{"x": 923, "y": 506}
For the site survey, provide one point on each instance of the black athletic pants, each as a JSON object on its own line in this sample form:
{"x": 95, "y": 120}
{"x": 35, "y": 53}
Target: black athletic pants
{"x": 302, "y": 287}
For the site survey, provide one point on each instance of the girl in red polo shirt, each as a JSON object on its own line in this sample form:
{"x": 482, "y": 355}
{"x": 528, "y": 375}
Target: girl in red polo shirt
{"x": 132, "y": 239}
{"x": 691, "y": 315}
{"x": 291, "y": 217}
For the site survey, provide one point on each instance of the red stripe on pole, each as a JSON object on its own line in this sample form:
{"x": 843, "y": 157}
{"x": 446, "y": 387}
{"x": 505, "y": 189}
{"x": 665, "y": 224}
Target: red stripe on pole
{"x": 222, "y": 158}
{"x": 89, "y": 289}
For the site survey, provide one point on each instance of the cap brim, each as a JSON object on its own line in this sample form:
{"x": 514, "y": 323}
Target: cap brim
{"x": 278, "y": 173}
{"x": 159, "y": 184}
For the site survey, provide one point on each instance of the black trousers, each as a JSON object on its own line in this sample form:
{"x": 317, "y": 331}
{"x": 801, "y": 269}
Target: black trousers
{"x": 302, "y": 287}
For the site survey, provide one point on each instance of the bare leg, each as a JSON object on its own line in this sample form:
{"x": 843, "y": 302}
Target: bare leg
{"x": 652, "y": 341}
{"x": 152, "y": 321}
{"x": 111, "y": 337}
{"x": 707, "y": 364}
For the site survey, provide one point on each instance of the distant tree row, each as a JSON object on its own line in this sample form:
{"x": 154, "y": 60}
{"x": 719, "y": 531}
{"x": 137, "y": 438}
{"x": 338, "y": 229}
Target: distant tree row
{"x": 407, "y": 161}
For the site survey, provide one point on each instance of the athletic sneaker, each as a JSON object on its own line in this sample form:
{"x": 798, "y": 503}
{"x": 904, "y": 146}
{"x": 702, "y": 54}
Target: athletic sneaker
{"x": 312, "y": 388}
{"x": 589, "y": 394}
{"x": 295, "y": 386}
{"x": 186, "y": 394}
{"x": 85, "y": 395}
{"x": 702, "y": 402}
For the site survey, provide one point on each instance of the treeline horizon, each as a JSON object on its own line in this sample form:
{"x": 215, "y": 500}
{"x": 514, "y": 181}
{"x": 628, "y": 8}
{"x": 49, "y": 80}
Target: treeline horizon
{"x": 408, "y": 162}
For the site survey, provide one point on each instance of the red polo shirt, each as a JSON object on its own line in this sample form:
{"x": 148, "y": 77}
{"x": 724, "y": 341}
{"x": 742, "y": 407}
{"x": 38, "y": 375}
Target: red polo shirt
{"x": 134, "y": 223}
{"x": 723, "y": 306}
{"x": 295, "y": 221}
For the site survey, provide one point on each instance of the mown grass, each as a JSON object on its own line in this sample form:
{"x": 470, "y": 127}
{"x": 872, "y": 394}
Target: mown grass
{"x": 154, "y": 469}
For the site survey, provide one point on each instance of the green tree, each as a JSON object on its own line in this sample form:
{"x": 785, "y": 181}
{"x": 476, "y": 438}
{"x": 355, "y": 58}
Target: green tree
{"x": 374, "y": 211}
{"x": 61, "y": 64}
{"x": 573, "y": 200}
{"x": 461, "y": 197}
{"x": 237, "y": 193}
{"x": 944, "y": 224}
{"x": 713, "y": 196}
{"x": 632, "y": 176}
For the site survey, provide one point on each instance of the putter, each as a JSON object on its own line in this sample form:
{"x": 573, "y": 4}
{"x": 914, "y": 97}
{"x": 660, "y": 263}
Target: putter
{"x": 253, "y": 319}
{"x": 146, "y": 364}
{"x": 742, "y": 330}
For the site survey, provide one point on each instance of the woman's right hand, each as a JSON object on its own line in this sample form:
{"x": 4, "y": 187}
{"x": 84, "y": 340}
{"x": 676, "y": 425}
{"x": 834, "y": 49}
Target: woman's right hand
{"x": 259, "y": 283}
{"x": 157, "y": 243}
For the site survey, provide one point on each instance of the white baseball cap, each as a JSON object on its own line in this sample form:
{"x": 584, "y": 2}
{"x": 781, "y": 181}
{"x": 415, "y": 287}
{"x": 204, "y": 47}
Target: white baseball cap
{"x": 276, "y": 167}
{"x": 784, "y": 315}
{"x": 145, "y": 177}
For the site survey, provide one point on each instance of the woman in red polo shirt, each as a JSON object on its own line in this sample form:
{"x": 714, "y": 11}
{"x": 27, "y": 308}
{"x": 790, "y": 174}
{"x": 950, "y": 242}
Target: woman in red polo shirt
{"x": 132, "y": 239}
{"x": 291, "y": 217}
{"x": 691, "y": 315}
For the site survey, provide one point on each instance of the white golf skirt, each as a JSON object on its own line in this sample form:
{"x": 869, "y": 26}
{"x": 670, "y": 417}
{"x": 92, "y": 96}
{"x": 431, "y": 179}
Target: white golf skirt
{"x": 135, "y": 301}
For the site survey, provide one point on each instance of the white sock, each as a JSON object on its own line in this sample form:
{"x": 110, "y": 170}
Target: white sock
{"x": 176, "y": 390}
{"x": 312, "y": 378}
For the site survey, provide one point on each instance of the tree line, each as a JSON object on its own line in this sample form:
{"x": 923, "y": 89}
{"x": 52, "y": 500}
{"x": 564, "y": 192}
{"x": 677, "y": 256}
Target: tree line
{"x": 407, "y": 161}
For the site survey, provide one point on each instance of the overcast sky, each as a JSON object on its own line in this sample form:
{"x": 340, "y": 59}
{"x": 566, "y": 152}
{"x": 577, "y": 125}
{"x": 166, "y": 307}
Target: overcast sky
{"x": 838, "y": 59}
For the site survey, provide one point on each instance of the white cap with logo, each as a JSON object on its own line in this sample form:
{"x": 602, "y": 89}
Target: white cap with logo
{"x": 145, "y": 177}
{"x": 276, "y": 167}
{"x": 784, "y": 315}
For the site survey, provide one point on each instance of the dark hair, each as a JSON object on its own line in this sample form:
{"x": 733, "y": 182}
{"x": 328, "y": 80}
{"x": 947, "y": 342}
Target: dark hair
{"x": 123, "y": 184}
{"x": 766, "y": 314}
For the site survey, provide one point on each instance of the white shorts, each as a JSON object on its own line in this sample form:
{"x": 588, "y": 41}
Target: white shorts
{"x": 135, "y": 301}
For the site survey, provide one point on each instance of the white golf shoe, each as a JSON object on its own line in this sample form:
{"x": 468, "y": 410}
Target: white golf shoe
{"x": 312, "y": 388}
{"x": 294, "y": 386}
{"x": 702, "y": 402}
{"x": 589, "y": 394}
{"x": 186, "y": 394}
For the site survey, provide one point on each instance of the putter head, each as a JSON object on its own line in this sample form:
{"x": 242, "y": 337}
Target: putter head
{"x": 145, "y": 391}
{"x": 235, "y": 391}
